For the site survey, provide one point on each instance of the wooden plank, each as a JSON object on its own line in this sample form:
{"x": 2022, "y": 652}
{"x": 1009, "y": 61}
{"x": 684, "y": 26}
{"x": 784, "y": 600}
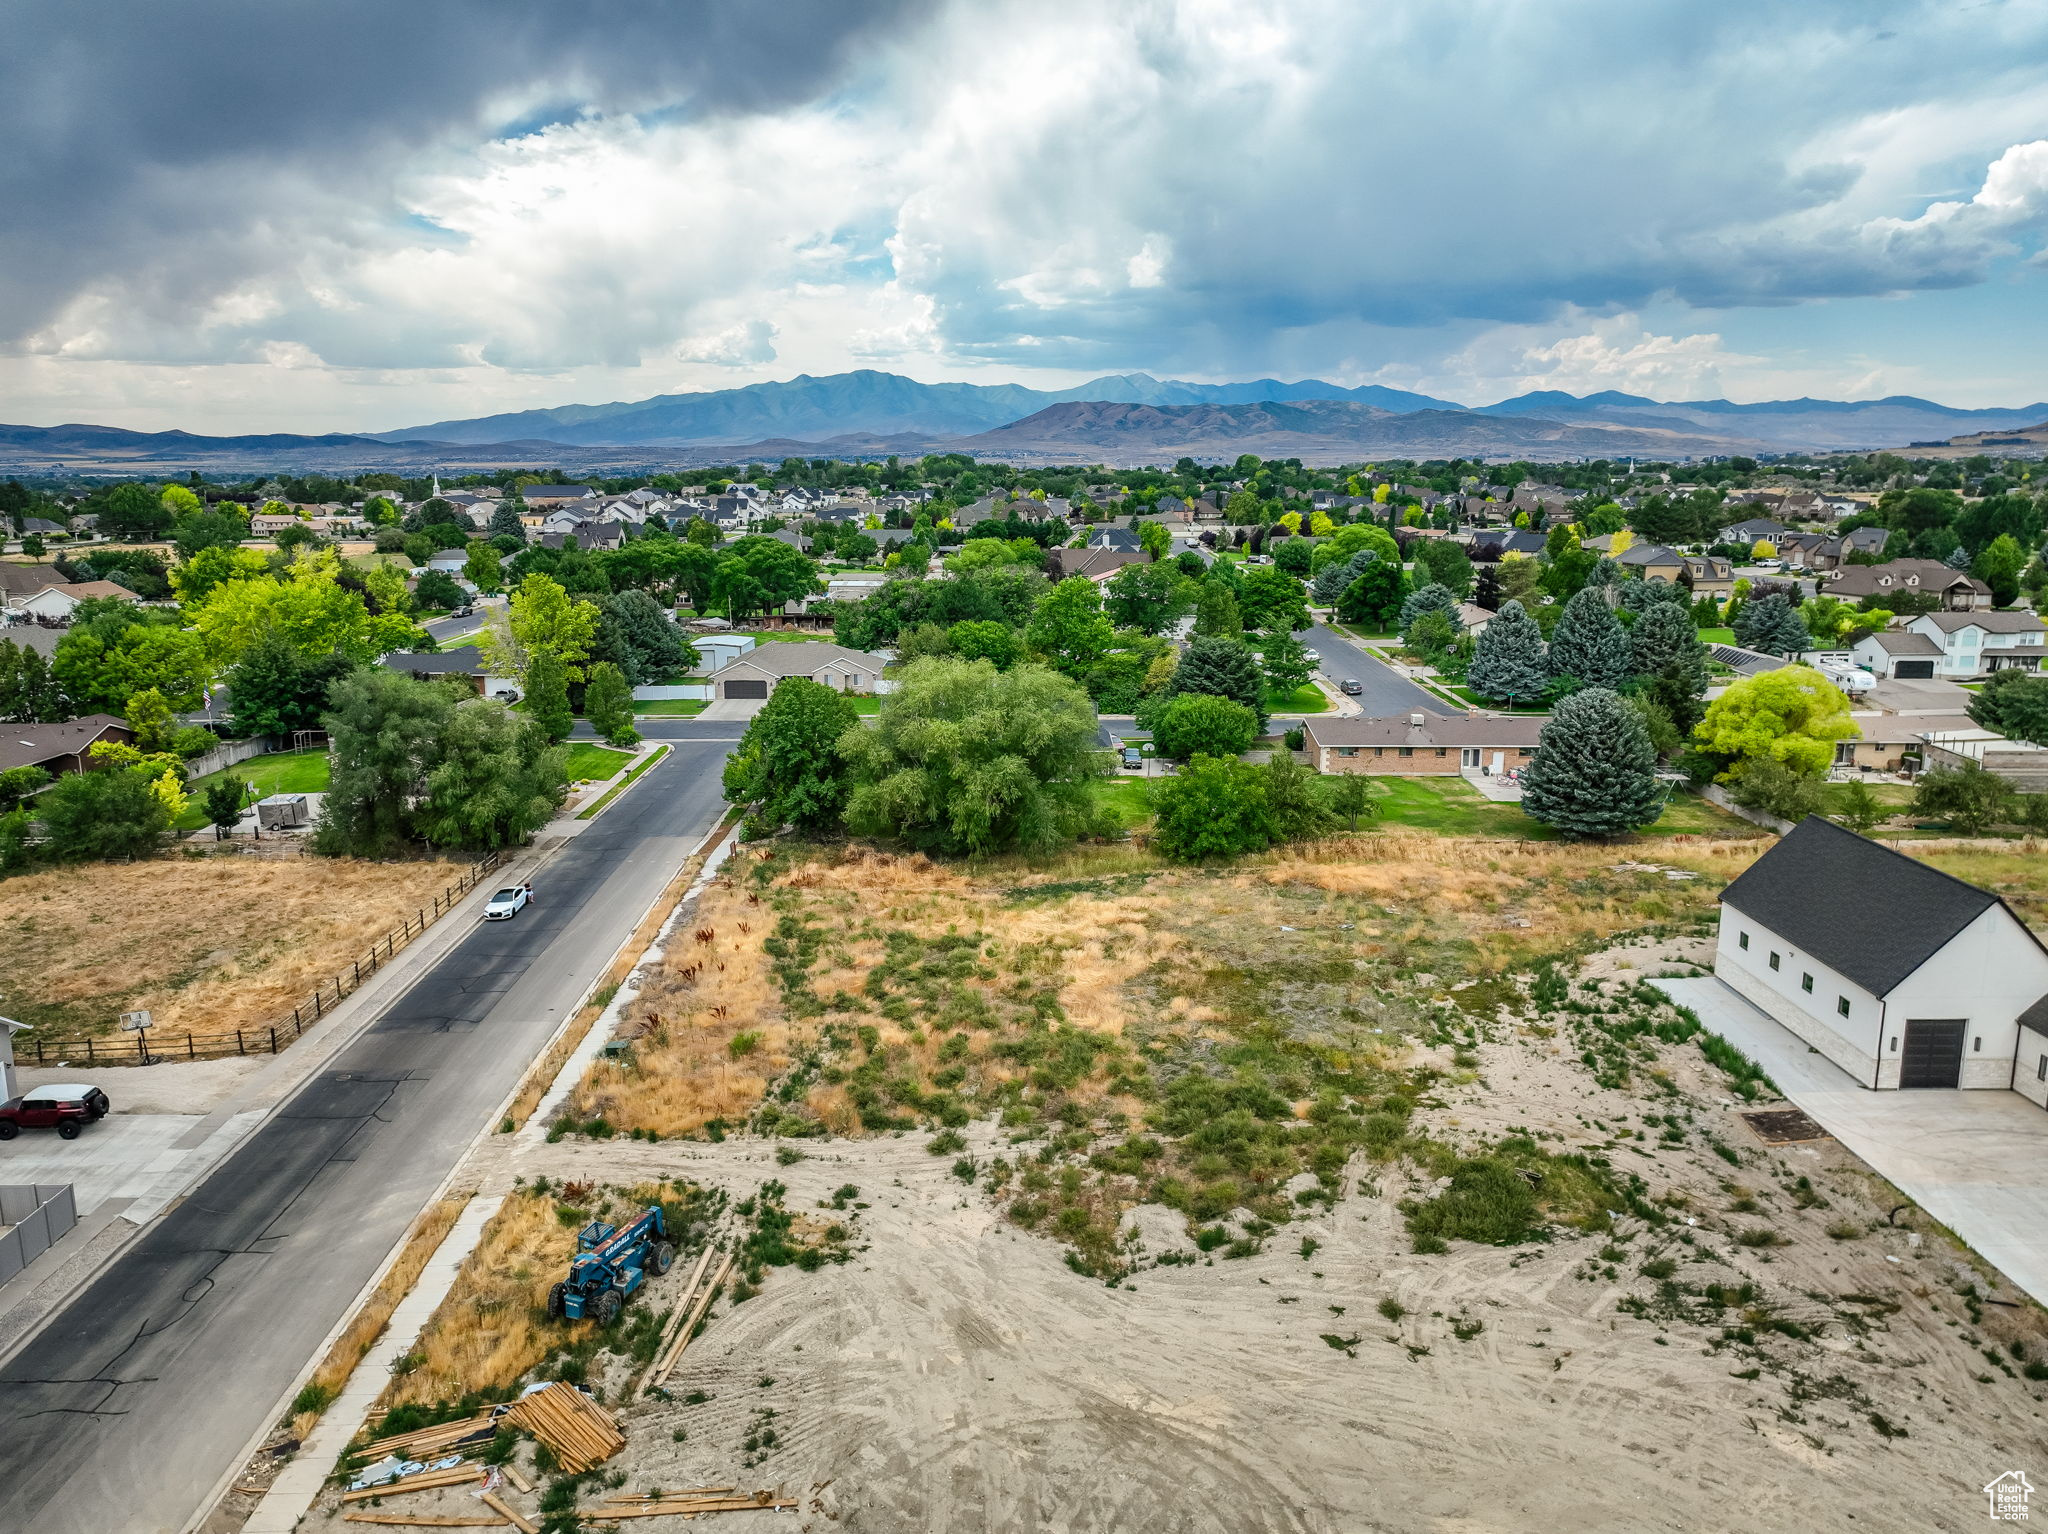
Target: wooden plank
{"x": 451, "y": 1432}
{"x": 665, "y": 1366}
{"x": 512, "y": 1474}
{"x": 455, "y": 1475}
{"x": 677, "y": 1509}
{"x": 675, "y": 1321}
{"x": 423, "y": 1521}
{"x": 491, "y": 1501}
{"x": 669, "y": 1496}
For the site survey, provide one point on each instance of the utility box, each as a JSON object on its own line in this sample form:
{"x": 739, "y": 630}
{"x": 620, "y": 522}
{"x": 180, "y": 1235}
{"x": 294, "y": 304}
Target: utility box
{"x": 281, "y": 812}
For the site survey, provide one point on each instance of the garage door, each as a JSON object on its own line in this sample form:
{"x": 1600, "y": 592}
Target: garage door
{"x": 739, "y": 689}
{"x": 1933, "y": 1055}
{"x": 1914, "y": 671}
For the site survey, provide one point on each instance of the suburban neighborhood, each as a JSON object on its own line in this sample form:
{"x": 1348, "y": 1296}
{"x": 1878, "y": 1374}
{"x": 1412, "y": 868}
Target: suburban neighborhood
{"x": 1197, "y": 768}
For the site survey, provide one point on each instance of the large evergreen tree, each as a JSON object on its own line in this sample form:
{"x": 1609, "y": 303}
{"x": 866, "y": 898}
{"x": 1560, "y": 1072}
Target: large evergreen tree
{"x": 1772, "y": 625}
{"x": 1589, "y": 645}
{"x": 1594, "y": 773}
{"x": 1433, "y": 598}
{"x": 505, "y": 521}
{"x": 1331, "y": 581}
{"x": 1508, "y": 663}
{"x": 1663, "y": 638}
{"x": 1223, "y": 669}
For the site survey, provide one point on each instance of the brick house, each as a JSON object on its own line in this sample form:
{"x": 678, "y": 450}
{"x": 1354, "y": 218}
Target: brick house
{"x": 1422, "y": 744}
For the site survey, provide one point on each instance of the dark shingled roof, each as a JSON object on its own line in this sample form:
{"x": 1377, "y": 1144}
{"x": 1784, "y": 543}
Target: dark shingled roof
{"x": 2036, "y": 1016}
{"x": 1862, "y": 909}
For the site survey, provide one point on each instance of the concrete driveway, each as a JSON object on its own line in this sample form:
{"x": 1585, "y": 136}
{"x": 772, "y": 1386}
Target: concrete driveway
{"x": 731, "y": 709}
{"x": 1976, "y": 1161}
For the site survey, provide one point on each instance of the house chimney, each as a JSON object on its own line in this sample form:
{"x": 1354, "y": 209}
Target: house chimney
{"x": 1417, "y": 720}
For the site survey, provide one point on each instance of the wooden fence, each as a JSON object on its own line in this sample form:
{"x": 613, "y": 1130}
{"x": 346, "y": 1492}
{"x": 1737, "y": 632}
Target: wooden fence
{"x": 147, "y": 1047}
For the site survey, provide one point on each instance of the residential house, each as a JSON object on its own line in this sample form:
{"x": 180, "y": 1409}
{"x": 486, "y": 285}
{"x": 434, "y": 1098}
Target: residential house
{"x": 1895, "y": 742}
{"x": 62, "y": 747}
{"x": 1097, "y": 564}
{"x": 1748, "y": 532}
{"x": 466, "y": 661}
{"x": 1899, "y": 654}
{"x": 2022, "y": 763}
{"x": 1900, "y": 974}
{"x": 1957, "y": 591}
{"x": 58, "y": 602}
{"x": 1422, "y": 744}
{"x": 268, "y": 524}
{"x": 1122, "y": 539}
{"x": 752, "y": 675}
{"x": 1651, "y": 562}
{"x": 22, "y": 580}
{"x": 716, "y": 651}
{"x": 1977, "y": 643}
{"x": 1493, "y": 545}
{"x": 1711, "y": 576}
{"x": 548, "y": 497}
{"x": 1474, "y": 617}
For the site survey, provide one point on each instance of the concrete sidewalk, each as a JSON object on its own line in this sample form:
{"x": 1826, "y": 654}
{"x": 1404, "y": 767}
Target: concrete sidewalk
{"x": 1976, "y": 1161}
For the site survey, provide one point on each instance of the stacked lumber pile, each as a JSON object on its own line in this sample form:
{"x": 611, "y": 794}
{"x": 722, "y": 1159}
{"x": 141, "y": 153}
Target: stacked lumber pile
{"x": 426, "y": 1480}
{"x": 431, "y": 1442}
{"x": 703, "y": 1499}
{"x": 578, "y": 1432}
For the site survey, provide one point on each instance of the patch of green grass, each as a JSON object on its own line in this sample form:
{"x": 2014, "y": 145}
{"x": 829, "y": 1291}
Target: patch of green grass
{"x": 1452, "y": 807}
{"x": 1305, "y": 699}
{"x": 1717, "y": 636}
{"x": 685, "y": 708}
{"x": 588, "y": 763}
{"x": 1131, "y": 798}
{"x": 281, "y": 772}
{"x": 620, "y": 787}
{"x": 866, "y": 704}
{"x": 1470, "y": 696}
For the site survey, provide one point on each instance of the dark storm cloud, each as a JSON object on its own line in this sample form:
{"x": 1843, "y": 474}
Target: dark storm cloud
{"x": 160, "y": 150}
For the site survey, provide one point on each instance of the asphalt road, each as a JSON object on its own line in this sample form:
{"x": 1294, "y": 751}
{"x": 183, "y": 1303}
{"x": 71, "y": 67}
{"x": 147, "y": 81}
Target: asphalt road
{"x": 1386, "y": 691}
{"x": 131, "y": 1403}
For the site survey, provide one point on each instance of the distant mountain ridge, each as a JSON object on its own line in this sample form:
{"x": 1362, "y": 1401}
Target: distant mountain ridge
{"x": 808, "y": 408}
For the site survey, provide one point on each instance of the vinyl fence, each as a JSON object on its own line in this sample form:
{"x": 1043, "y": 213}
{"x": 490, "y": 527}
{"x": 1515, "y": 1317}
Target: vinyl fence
{"x": 38, "y": 1216}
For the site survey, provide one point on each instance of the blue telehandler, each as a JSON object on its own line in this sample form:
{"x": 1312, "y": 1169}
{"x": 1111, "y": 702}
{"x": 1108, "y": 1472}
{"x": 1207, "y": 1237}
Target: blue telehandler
{"x": 610, "y": 1263}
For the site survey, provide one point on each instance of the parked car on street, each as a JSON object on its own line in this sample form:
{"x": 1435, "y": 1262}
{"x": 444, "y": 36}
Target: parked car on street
{"x": 1352, "y": 687}
{"x": 65, "y": 1106}
{"x": 508, "y": 903}
{"x": 1134, "y": 759}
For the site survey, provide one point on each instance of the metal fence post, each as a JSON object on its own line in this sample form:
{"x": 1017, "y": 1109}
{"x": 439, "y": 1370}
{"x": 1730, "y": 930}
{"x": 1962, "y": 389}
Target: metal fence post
{"x": 273, "y": 1041}
{"x": 239, "y": 1049}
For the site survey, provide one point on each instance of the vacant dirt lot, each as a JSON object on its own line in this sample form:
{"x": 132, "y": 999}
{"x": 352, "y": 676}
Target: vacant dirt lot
{"x": 207, "y": 944}
{"x": 1377, "y": 1194}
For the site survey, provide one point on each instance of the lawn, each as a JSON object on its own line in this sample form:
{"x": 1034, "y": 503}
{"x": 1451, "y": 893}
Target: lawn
{"x": 1452, "y": 807}
{"x": 1305, "y": 699}
{"x": 866, "y": 704}
{"x": 1131, "y": 798}
{"x": 683, "y": 707}
{"x": 1717, "y": 636}
{"x": 593, "y": 764}
{"x": 1487, "y": 703}
{"x": 280, "y": 772}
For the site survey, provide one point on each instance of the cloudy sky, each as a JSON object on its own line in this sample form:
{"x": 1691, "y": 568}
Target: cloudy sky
{"x": 233, "y": 215}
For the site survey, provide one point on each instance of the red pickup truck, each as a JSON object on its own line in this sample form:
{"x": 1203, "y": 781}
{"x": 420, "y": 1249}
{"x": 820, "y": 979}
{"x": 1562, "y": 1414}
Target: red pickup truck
{"x": 66, "y": 1107}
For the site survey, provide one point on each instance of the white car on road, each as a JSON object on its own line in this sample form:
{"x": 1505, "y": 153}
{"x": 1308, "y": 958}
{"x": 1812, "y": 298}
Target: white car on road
{"x": 508, "y": 903}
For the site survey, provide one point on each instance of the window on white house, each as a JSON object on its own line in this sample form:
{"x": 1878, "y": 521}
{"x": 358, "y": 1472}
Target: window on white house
{"x": 1742, "y": 940}
{"x": 1806, "y": 983}
{"x": 1977, "y": 1045}
{"x": 1774, "y": 961}
{"x": 1842, "y": 1005}
{"x": 2041, "y": 1069}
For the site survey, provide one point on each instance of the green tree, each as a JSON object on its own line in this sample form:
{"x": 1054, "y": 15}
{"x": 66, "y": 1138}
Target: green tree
{"x": 1216, "y": 614}
{"x": 1146, "y": 597}
{"x": 1351, "y": 796}
{"x": 1202, "y": 724}
{"x": 107, "y": 813}
{"x": 1589, "y": 645}
{"x": 1284, "y": 659}
{"x": 1859, "y": 809}
{"x": 989, "y": 640}
{"x": 505, "y": 521}
{"x": 2015, "y": 704}
{"x": 1793, "y": 713}
{"x": 1296, "y": 800}
{"x": 1293, "y": 555}
{"x": 223, "y": 802}
{"x": 1509, "y": 664}
{"x": 1594, "y": 773}
{"x": 963, "y": 758}
{"x": 29, "y": 694}
{"x": 1214, "y": 807}
{"x": 495, "y": 780}
{"x": 437, "y": 589}
{"x": 1070, "y": 628}
{"x": 1373, "y": 599}
{"x": 223, "y": 529}
{"x": 1772, "y": 625}
{"x": 149, "y": 715}
{"x": 608, "y": 705}
{"x": 788, "y": 770}
{"x": 310, "y": 608}
{"x": 1767, "y": 784}
{"x": 385, "y": 729}
{"x": 1331, "y": 581}
{"x": 1223, "y": 669}
{"x": 277, "y": 691}
{"x": 132, "y": 513}
{"x": 547, "y": 695}
{"x": 1999, "y": 567}
{"x": 1154, "y": 539}
{"x": 17, "y": 783}
{"x": 637, "y": 636}
{"x": 1970, "y": 799}
{"x": 483, "y": 568}
{"x": 100, "y": 665}
{"x": 1272, "y": 600}
{"x": 1447, "y": 564}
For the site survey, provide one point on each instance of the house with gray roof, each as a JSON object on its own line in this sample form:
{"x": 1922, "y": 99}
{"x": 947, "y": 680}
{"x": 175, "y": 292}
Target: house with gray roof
{"x": 1900, "y": 974}
{"x": 768, "y": 666}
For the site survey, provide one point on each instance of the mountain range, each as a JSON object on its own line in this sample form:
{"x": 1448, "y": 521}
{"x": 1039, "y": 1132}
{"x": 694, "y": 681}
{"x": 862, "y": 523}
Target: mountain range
{"x": 807, "y": 408}
{"x": 1119, "y": 419}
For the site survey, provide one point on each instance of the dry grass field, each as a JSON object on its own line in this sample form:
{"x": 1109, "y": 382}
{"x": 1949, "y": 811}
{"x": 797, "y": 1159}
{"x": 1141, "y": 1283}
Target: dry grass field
{"x": 207, "y": 944}
{"x": 1361, "y": 1187}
